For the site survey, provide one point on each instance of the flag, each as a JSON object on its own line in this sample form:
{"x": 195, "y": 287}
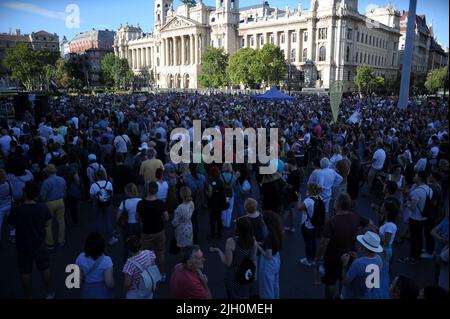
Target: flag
{"x": 335, "y": 101}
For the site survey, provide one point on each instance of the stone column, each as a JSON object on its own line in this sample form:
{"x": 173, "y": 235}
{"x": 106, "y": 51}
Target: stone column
{"x": 277, "y": 39}
{"x": 175, "y": 51}
{"x": 183, "y": 51}
{"x": 196, "y": 59}
{"x": 287, "y": 37}
{"x": 191, "y": 49}
{"x": 299, "y": 45}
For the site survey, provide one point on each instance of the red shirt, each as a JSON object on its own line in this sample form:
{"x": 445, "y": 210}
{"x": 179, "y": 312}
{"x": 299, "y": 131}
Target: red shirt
{"x": 186, "y": 284}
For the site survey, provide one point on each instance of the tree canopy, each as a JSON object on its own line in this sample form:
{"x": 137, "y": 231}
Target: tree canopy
{"x": 214, "y": 65}
{"x": 436, "y": 79}
{"x": 242, "y": 67}
{"x": 115, "y": 71}
{"x": 366, "y": 80}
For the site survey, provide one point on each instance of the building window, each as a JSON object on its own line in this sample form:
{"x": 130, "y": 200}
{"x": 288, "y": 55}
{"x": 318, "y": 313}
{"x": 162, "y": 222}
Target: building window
{"x": 213, "y": 19}
{"x": 347, "y": 54}
{"x": 219, "y": 43}
{"x": 370, "y": 40}
{"x": 356, "y": 57}
{"x": 242, "y": 42}
{"x": 403, "y": 47}
{"x": 357, "y": 36}
{"x": 365, "y": 58}
{"x": 322, "y": 33}
{"x": 252, "y": 41}
{"x": 305, "y": 55}
{"x": 293, "y": 54}
{"x": 366, "y": 39}
{"x": 360, "y": 58}
{"x": 349, "y": 76}
{"x": 261, "y": 40}
{"x": 305, "y": 36}
{"x": 349, "y": 34}
{"x": 272, "y": 38}
{"x": 282, "y": 38}
{"x": 294, "y": 37}
{"x": 322, "y": 53}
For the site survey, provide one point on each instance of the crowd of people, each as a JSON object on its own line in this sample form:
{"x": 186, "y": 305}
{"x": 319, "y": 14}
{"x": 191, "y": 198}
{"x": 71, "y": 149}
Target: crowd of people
{"x": 114, "y": 151}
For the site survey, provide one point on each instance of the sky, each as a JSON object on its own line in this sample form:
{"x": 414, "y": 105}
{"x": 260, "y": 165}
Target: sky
{"x": 50, "y": 15}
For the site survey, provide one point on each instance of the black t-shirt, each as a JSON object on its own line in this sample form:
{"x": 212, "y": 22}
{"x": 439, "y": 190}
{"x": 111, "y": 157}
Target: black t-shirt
{"x": 29, "y": 221}
{"x": 151, "y": 213}
{"x": 342, "y": 231}
{"x": 268, "y": 244}
{"x": 121, "y": 175}
{"x": 294, "y": 179}
{"x": 160, "y": 151}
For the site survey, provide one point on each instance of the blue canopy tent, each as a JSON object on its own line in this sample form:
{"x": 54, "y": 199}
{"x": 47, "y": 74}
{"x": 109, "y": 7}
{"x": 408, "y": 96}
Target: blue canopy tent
{"x": 273, "y": 95}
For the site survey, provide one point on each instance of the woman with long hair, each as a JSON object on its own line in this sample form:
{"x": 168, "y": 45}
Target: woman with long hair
{"x": 269, "y": 262}
{"x": 182, "y": 219}
{"x": 240, "y": 259}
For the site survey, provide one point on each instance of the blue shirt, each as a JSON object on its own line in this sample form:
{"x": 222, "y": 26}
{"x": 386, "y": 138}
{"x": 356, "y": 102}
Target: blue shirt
{"x": 357, "y": 288}
{"x": 53, "y": 188}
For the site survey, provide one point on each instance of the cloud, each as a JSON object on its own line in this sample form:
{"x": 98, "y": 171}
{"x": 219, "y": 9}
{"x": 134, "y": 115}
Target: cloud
{"x": 32, "y": 8}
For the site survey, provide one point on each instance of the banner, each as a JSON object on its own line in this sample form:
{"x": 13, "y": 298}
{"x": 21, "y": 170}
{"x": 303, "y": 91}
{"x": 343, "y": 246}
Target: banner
{"x": 335, "y": 100}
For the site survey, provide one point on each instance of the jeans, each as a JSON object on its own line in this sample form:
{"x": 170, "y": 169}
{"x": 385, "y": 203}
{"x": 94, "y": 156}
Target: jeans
{"x": 309, "y": 237}
{"x": 269, "y": 277}
{"x": 416, "y": 228}
{"x": 104, "y": 219}
{"x": 57, "y": 211}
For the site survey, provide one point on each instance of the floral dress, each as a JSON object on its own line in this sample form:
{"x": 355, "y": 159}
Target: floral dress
{"x": 183, "y": 225}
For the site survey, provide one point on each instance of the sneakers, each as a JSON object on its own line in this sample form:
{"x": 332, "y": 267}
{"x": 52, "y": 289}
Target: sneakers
{"x": 426, "y": 256}
{"x": 290, "y": 229}
{"x": 113, "y": 241}
{"x": 407, "y": 260}
{"x": 50, "y": 247}
{"x": 62, "y": 244}
{"x": 306, "y": 262}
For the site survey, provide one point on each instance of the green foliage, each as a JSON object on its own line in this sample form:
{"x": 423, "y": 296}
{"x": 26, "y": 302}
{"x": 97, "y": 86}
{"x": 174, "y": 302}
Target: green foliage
{"x": 214, "y": 65}
{"x": 242, "y": 67}
{"x": 366, "y": 80}
{"x": 270, "y": 65}
{"x": 436, "y": 79}
{"x": 23, "y": 63}
{"x": 115, "y": 71}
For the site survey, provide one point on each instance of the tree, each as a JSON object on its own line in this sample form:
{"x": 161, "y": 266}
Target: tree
{"x": 214, "y": 65}
{"x": 270, "y": 65}
{"x": 436, "y": 79}
{"x": 23, "y": 63}
{"x": 63, "y": 76}
{"x": 106, "y": 68}
{"x": 366, "y": 80}
{"x": 242, "y": 66}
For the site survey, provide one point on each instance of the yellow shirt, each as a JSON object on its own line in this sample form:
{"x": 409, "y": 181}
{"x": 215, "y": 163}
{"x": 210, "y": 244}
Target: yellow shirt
{"x": 148, "y": 169}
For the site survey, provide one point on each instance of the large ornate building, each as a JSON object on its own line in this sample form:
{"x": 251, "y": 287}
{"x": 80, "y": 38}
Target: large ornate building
{"x": 323, "y": 44}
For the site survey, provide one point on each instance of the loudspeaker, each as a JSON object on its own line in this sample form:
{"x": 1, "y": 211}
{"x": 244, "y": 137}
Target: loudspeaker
{"x": 21, "y": 104}
{"x": 41, "y": 107}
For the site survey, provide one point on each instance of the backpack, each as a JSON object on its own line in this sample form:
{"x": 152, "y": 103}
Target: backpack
{"x": 428, "y": 208}
{"x": 55, "y": 160}
{"x": 148, "y": 279}
{"x": 227, "y": 187}
{"x": 103, "y": 195}
{"x": 245, "y": 274}
{"x": 318, "y": 217}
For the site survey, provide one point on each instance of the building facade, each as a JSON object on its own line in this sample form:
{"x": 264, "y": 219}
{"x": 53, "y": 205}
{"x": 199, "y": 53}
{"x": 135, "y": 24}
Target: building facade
{"x": 322, "y": 44}
{"x": 87, "y": 49}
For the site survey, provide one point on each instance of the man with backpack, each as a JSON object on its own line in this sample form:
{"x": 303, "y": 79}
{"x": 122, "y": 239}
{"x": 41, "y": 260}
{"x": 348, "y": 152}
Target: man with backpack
{"x": 418, "y": 208}
{"x": 93, "y": 167}
{"x": 313, "y": 220}
{"x": 122, "y": 143}
{"x": 102, "y": 192}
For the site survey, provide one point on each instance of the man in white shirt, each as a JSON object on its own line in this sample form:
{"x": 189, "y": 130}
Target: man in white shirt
{"x": 421, "y": 164}
{"x": 377, "y": 162}
{"x": 414, "y": 209}
{"x": 121, "y": 143}
{"x": 327, "y": 179}
{"x": 5, "y": 141}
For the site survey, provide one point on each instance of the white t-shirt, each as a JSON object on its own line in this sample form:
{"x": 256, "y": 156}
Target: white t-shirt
{"x": 309, "y": 204}
{"x": 388, "y": 227}
{"x": 328, "y": 178}
{"x": 130, "y": 206}
{"x": 418, "y": 194}
{"x": 4, "y": 144}
{"x": 95, "y": 188}
{"x": 75, "y": 121}
{"x": 434, "y": 152}
{"x": 121, "y": 143}
{"x": 334, "y": 159}
{"x": 163, "y": 189}
{"x": 379, "y": 156}
{"x": 420, "y": 165}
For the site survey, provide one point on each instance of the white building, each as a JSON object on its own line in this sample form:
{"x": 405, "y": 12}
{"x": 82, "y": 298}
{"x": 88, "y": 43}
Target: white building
{"x": 324, "y": 43}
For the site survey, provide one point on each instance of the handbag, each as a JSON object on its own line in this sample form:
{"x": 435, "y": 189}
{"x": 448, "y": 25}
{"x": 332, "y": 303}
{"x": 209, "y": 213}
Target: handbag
{"x": 123, "y": 219}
